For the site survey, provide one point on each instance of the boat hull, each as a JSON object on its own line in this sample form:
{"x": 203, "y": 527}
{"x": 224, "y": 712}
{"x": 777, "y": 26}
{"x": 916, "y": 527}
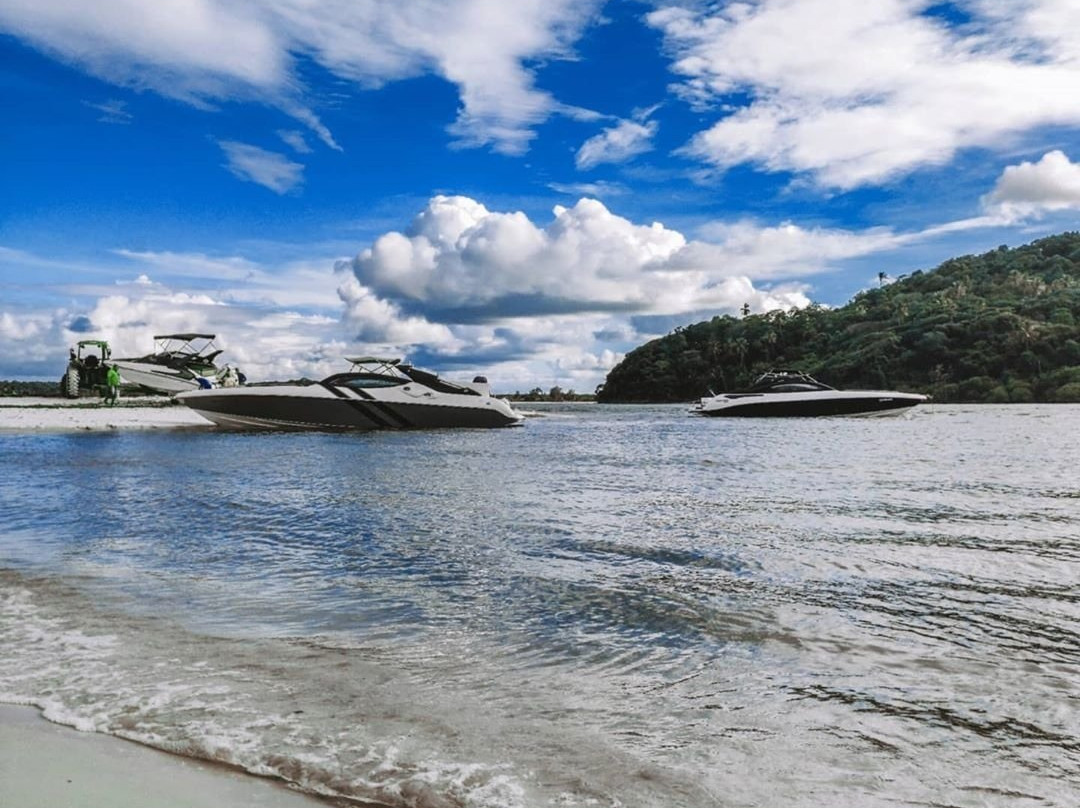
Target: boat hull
{"x": 320, "y": 408}
{"x": 794, "y": 405}
{"x": 156, "y": 377}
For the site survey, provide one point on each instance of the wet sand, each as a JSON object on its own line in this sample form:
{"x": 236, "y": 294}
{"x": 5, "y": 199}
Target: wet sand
{"x": 45, "y": 765}
{"x": 61, "y": 414}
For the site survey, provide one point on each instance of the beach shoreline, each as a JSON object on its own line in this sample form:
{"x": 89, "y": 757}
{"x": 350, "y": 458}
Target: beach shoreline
{"x": 43, "y": 765}
{"x": 38, "y": 414}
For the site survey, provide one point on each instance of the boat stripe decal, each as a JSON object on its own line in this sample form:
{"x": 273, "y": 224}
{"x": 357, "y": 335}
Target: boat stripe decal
{"x": 334, "y": 390}
{"x": 395, "y": 418}
{"x": 358, "y": 405}
{"x": 372, "y": 409}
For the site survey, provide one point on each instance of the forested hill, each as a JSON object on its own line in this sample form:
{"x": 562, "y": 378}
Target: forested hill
{"x": 1004, "y": 326}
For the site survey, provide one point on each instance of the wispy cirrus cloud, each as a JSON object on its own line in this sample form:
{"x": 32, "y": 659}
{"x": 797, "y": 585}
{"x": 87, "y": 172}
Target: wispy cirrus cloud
{"x": 266, "y": 168}
{"x": 112, "y": 111}
{"x": 239, "y": 280}
{"x": 189, "y": 49}
{"x": 598, "y": 189}
{"x": 203, "y": 52}
{"x": 865, "y": 92}
{"x": 617, "y": 144}
{"x": 295, "y": 140}
{"x": 194, "y": 265}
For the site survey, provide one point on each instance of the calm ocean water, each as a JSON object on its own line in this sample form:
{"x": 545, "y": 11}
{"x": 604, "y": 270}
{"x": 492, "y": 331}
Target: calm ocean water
{"x": 610, "y": 606}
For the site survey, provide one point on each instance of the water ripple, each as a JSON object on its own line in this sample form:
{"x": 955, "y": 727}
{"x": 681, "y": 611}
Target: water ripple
{"x": 609, "y": 606}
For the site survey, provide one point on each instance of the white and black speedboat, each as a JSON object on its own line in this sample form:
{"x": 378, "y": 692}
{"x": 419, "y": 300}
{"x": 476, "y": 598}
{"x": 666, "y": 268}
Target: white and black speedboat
{"x": 374, "y": 394}
{"x": 179, "y": 362}
{"x": 786, "y": 393}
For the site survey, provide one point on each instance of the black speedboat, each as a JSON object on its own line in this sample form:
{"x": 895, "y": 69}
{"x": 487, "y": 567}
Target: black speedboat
{"x": 787, "y": 393}
{"x": 374, "y": 394}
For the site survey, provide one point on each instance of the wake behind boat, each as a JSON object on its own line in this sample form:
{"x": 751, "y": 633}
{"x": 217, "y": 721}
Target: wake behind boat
{"x": 179, "y": 362}
{"x": 375, "y": 394}
{"x": 786, "y": 393}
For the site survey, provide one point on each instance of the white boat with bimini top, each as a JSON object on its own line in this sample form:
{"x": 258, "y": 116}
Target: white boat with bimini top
{"x": 788, "y": 393}
{"x": 374, "y": 394}
{"x": 179, "y": 362}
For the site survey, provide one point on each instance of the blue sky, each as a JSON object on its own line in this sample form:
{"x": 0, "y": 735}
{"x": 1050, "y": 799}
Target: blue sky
{"x": 525, "y": 189}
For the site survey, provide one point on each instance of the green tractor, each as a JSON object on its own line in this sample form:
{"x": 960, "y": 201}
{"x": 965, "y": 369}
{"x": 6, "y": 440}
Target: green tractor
{"x": 86, "y": 368}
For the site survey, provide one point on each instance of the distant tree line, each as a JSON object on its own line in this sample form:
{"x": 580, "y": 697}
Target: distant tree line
{"x": 554, "y": 394}
{"x": 9, "y": 389}
{"x": 998, "y": 327}
{"x": 36, "y": 389}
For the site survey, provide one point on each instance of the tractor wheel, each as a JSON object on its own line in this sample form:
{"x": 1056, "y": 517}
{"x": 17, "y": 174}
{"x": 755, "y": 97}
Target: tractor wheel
{"x": 71, "y": 383}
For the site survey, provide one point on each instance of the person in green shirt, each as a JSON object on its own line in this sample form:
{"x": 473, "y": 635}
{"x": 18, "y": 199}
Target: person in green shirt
{"x": 112, "y": 379}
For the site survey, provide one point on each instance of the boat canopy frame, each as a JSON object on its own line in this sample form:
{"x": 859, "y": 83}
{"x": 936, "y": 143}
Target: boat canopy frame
{"x": 770, "y": 379}
{"x": 187, "y": 346}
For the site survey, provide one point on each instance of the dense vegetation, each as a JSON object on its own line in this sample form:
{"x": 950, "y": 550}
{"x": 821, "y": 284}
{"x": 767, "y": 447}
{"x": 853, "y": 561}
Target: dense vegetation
{"x": 40, "y": 389}
{"x": 554, "y": 394}
{"x": 999, "y": 327}
{"x": 13, "y": 388}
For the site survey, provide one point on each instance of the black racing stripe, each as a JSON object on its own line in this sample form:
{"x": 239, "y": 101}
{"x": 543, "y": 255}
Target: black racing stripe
{"x": 377, "y": 411}
{"x": 394, "y": 418}
{"x": 397, "y": 416}
{"x": 334, "y": 390}
{"x": 368, "y": 412}
{"x": 390, "y": 414}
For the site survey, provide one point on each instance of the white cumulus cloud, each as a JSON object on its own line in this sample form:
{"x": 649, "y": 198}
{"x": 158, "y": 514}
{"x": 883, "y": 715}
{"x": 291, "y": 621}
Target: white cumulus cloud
{"x": 853, "y": 92}
{"x": 372, "y": 320}
{"x": 1027, "y": 189}
{"x": 459, "y": 254}
{"x": 558, "y": 303}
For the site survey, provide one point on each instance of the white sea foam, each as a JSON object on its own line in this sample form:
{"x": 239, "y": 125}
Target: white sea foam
{"x": 135, "y": 686}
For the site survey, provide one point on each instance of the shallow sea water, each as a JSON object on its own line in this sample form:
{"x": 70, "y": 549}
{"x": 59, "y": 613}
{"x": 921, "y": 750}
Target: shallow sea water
{"x": 609, "y": 606}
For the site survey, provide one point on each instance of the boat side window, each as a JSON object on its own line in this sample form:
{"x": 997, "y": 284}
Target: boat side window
{"x": 369, "y": 381}
{"x": 795, "y": 388}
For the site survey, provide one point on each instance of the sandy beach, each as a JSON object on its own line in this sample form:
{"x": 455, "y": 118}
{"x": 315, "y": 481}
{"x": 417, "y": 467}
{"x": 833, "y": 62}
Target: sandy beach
{"x": 61, "y": 414}
{"x": 45, "y": 765}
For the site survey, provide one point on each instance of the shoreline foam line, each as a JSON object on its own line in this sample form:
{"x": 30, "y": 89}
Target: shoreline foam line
{"x": 43, "y": 765}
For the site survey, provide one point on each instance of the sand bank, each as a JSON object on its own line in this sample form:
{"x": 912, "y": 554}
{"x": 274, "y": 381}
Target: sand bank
{"x": 59, "y": 414}
{"x": 45, "y": 765}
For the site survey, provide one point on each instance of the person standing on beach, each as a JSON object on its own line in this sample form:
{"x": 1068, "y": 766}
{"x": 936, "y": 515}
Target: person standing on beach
{"x": 112, "y": 379}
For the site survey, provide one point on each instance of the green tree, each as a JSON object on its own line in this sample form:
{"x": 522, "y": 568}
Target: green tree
{"x": 1008, "y": 319}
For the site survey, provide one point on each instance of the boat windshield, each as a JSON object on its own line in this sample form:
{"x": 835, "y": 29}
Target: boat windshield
{"x": 786, "y": 381}
{"x": 373, "y": 371}
{"x": 360, "y": 381}
{"x": 435, "y": 383}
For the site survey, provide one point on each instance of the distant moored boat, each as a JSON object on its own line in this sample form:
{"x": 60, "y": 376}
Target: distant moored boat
{"x": 787, "y": 393}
